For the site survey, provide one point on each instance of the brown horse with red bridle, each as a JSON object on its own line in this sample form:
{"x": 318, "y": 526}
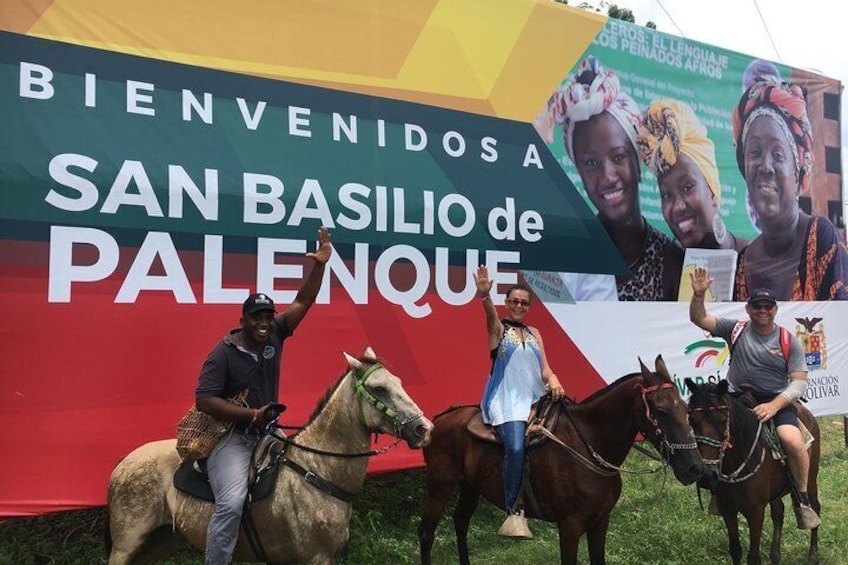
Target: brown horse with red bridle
{"x": 575, "y": 478}
{"x": 744, "y": 476}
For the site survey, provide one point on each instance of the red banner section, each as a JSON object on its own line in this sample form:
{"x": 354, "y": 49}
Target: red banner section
{"x": 88, "y": 381}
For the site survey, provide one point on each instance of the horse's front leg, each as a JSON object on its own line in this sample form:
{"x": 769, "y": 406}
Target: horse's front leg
{"x": 437, "y": 497}
{"x": 731, "y": 522}
{"x": 755, "y": 518}
{"x": 777, "y": 512}
{"x": 570, "y": 530}
{"x": 813, "y": 555}
{"x": 465, "y": 507}
{"x": 597, "y": 540}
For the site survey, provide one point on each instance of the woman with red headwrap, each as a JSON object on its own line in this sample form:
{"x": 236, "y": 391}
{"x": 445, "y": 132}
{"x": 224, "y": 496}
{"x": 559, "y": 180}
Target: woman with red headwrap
{"x": 798, "y": 256}
{"x": 675, "y": 146}
{"x": 599, "y": 127}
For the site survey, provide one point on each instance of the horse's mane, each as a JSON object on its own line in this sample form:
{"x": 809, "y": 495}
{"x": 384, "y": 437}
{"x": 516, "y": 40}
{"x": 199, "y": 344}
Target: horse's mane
{"x": 743, "y": 422}
{"x": 613, "y": 385}
{"x": 329, "y": 393}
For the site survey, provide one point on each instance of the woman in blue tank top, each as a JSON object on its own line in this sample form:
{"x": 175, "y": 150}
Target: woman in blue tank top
{"x": 520, "y": 376}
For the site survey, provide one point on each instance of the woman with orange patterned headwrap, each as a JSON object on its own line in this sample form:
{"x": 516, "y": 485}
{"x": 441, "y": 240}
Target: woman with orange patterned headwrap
{"x": 798, "y": 256}
{"x": 675, "y": 146}
{"x": 599, "y": 127}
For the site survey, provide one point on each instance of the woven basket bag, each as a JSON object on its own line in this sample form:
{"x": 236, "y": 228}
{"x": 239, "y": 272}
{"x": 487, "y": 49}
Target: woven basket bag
{"x": 198, "y": 432}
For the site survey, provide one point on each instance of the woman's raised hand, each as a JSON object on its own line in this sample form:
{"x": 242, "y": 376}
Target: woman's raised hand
{"x": 482, "y": 280}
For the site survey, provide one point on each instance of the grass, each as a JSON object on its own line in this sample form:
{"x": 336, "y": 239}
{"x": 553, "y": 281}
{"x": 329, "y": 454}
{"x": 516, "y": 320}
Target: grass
{"x": 656, "y": 521}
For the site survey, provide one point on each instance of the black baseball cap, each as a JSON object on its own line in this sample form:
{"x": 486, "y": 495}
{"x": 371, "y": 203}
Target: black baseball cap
{"x": 256, "y": 303}
{"x": 762, "y": 295}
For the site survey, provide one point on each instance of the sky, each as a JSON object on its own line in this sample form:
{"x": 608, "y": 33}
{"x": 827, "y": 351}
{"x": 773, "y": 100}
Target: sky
{"x": 808, "y": 34}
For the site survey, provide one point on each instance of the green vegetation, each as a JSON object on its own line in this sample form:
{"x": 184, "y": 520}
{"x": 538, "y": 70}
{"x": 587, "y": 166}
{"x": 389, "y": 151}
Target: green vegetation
{"x": 656, "y": 521}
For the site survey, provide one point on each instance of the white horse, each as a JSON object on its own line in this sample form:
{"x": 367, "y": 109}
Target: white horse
{"x": 298, "y": 522}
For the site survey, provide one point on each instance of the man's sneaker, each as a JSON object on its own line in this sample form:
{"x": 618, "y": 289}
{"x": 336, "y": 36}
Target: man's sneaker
{"x": 515, "y": 526}
{"x": 712, "y": 509}
{"x": 807, "y": 517}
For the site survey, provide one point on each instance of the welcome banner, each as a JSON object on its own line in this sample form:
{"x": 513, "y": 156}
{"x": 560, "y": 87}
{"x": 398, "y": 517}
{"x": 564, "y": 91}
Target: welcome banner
{"x": 159, "y": 165}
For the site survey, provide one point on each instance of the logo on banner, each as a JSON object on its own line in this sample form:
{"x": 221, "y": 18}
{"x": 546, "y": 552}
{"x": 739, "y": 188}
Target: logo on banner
{"x": 709, "y": 357}
{"x": 711, "y": 352}
{"x": 810, "y": 332}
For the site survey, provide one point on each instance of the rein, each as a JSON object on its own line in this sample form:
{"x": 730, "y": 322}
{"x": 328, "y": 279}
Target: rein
{"x": 381, "y": 407}
{"x": 313, "y": 478}
{"x": 317, "y": 451}
{"x": 603, "y": 467}
{"x": 726, "y": 443}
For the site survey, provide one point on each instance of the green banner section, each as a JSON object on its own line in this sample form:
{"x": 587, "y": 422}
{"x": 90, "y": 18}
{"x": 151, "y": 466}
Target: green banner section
{"x": 126, "y": 144}
{"x": 652, "y": 66}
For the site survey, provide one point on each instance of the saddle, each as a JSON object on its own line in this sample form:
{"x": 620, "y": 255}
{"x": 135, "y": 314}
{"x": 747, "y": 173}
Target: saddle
{"x": 541, "y": 416}
{"x": 191, "y": 478}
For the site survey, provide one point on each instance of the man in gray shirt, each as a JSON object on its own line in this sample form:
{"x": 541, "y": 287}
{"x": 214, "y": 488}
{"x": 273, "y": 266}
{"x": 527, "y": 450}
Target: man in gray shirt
{"x": 758, "y": 361}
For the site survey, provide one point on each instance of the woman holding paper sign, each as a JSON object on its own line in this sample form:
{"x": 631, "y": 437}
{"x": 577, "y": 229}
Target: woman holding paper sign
{"x": 599, "y": 127}
{"x": 675, "y": 147}
{"x": 798, "y": 256}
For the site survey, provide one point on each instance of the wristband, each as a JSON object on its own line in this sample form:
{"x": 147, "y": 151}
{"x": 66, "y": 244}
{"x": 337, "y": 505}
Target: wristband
{"x": 256, "y": 413}
{"x": 486, "y": 297}
{"x": 698, "y": 295}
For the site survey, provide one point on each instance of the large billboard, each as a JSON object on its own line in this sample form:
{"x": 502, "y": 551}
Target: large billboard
{"x": 158, "y": 163}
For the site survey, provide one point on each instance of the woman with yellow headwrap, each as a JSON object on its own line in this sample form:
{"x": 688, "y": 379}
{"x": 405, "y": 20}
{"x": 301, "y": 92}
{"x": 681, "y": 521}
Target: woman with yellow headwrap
{"x": 675, "y": 146}
{"x": 599, "y": 126}
{"x": 796, "y": 255}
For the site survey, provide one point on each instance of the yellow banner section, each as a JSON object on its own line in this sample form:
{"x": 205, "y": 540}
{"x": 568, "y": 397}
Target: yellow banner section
{"x": 473, "y": 55}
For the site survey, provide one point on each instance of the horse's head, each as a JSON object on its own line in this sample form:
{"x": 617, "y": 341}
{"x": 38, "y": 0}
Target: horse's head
{"x": 384, "y": 406}
{"x": 668, "y": 425}
{"x": 709, "y": 413}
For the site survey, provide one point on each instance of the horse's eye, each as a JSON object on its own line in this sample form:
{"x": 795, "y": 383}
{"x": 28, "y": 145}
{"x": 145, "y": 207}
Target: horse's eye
{"x": 379, "y": 391}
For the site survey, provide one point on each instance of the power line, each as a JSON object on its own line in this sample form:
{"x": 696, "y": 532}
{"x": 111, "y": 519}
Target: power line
{"x": 768, "y": 32}
{"x": 674, "y": 23}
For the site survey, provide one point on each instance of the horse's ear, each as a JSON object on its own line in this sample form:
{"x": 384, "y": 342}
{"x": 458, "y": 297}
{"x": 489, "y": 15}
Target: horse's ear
{"x": 352, "y": 362}
{"x": 369, "y": 353}
{"x": 662, "y": 370}
{"x": 721, "y": 387}
{"x": 646, "y": 373}
{"x": 690, "y": 384}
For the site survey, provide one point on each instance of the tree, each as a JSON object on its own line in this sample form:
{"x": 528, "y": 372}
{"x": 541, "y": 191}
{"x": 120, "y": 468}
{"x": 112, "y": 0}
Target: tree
{"x": 651, "y": 25}
{"x": 624, "y": 14}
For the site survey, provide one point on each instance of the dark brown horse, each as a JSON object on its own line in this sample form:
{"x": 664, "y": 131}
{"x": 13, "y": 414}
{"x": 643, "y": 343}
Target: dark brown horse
{"x": 731, "y": 441}
{"x": 575, "y": 485}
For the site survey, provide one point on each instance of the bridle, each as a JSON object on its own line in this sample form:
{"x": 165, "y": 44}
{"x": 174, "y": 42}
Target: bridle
{"x": 381, "y": 407}
{"x": 359, "y": 378}
{"x": 603, "y": 467}
{"x": 667, "y": 446}
{"x": 726, "y": 443}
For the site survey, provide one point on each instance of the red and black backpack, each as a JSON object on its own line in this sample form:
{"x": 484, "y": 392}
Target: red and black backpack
{"x": 785, "y": 339}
